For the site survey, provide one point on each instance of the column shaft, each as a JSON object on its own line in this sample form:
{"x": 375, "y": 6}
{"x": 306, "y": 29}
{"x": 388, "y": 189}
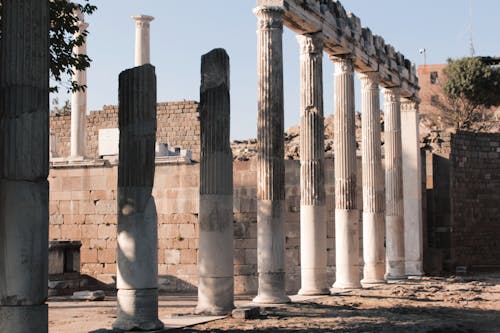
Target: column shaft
{"x": 137, "y": 273}
{"x": 346, "y": 212}
{"x": 24, "y": 190}
{"x": 79, "y": 101}
{"x": 142, "y": 39}
{"x": 373, "y": 181}
{"x": 215, "y": 254}
{"x": 394, "y": 223}
{"x": 271, "y": 167}
{"x": 313, "y": 252}
{"x": 412, "y": 188}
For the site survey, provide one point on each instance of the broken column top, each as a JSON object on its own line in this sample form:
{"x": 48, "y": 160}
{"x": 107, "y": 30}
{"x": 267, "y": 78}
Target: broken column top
{"x": 143, "y": 18}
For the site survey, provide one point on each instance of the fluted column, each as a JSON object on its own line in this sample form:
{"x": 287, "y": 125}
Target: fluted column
{"x": 412, "y": 188}
{"x": 137, "y": 264}
{"x": 24, "y": 156}
{"x": 79, "y": 99}
{"x": 270, "y": 155}
{"x": 373, "y": 181}
{"x": 215, "y": 254}
{"x": 346, "y": 212}
{"x": 142, "y": 39}
{"x": 394, "y": 224}
{"x": 313, "y": 258}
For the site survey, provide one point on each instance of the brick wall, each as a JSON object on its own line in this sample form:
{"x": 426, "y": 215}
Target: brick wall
{"x": 83, "y": 207}
{"x": 178, "y": 126}
{"x": 475, "y": 199}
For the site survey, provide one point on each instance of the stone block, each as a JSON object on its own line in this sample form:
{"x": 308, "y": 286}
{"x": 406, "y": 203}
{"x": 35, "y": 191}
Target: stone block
{"x": 189, "y": 256}
{"x": 80, "y": 195}
{"x": 106, "y": 231}
{"x": 172, "y": 256}
{"x": 187, "y": 231}
{"x": 88, "y": 255}
{"x": 106, "y": 255}
{"x": 246, "y": 312}
{"x": 86, "y": 295}
{"x": 105, "y": 207}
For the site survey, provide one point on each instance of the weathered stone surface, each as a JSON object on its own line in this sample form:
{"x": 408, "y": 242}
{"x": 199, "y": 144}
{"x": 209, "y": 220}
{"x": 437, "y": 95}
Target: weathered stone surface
{"x": 142, "y": 39}
{"x": 373, "y": 181}
{"x": 346, "y": 213}
{"x": 137, "y": 264}
{"x": 24, "y": 156}
{"x": 271, "y": 168}
{"x": 79, "y": 99}
{"x": 215, "y": 255}
{"x": 246, "y": 312}
{"x": 412, "y": 188}
{"x": 394, "y": 223}
{"x": 312, "y": 179}
{"x": 86, "y": 295}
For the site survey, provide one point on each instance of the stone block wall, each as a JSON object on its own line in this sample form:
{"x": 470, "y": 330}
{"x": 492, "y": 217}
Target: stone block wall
{"x": 475, "y": 199}
{"x": 178, "y": 126}
{"x": 83, "y": 207}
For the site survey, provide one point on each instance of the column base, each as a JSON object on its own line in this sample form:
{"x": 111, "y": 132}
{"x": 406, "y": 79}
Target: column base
{"x": 272, "y": 289}
{"x": 395, "y": 277}
{"x": 215, "y": 296}
{"x": 314, "y": 292}
{"x": 414, "y": 268}
{"x": 373, "y": 281}
{"x": 21, "y": 319}
{"x": 137, "y": 310}
{"x": 343, "y": 285}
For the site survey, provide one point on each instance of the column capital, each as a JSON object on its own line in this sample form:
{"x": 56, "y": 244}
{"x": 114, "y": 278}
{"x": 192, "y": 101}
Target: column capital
{"x": 408, "y": 104}
{"x": 369, "y": 80}
{"x": 392, "y": 94}
{"x": 270, "y": 17}
{"x": 311, "y": 43}
{"x": 142, "y": 20}
{"x": 343, "y": 63}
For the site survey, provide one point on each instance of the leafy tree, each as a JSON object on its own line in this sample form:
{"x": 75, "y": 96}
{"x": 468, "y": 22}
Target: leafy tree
{"x": 61, "y": 38}
{"x": 471, "y": 88}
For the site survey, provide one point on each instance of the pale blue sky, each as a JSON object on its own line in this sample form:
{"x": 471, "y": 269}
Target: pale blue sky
{"x": 184, "y": 30}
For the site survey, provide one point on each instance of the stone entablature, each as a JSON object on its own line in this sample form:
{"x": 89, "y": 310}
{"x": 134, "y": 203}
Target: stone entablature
{"x": 343, "y": 34}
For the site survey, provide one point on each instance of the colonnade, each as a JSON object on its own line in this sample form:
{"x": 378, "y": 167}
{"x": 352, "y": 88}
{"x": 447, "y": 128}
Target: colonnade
{"x": 383, "y": 208}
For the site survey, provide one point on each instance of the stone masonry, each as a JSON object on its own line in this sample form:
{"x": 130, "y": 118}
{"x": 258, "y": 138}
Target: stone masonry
{"x": 178, "y": 126}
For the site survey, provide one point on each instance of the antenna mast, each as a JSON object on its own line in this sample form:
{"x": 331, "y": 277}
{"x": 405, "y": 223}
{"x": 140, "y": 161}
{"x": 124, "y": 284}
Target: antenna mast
{"x": 471, "y": 39}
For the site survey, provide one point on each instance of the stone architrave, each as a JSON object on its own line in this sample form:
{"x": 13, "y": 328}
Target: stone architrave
{"x": 412, "y": 188}
{"x": 24, "y": 190}
{"x": 313, "y": 254}
{"x": 215, "y": 254}
{"x": 79, "y": 99}
{"x": 394, "y": 218}
{"x": 373, "y": 181}
{"x": 142, "y": 39}
{"x": 346, "y": 212}
{"x": 271, "y": 167}
{"x": 137, "y": 264}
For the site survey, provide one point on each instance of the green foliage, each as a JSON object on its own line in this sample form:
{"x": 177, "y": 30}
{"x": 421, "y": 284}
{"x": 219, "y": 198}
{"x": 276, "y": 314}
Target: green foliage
{"x": 61, "y": 37}
{"x": 471, "y": 88}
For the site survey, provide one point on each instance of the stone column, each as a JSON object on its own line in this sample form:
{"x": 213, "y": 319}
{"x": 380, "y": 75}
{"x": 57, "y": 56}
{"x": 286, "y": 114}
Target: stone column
{"x": 79, "y": 100}
{"x": 142, "y": 45}
{"x": 373, "y": 181}
{"x": 346, "y": 212}
{"x": 270, "y": 158}
{"x": 412, "y": 188}
{"x": 24, "y": 152}
{"x": 394, "y": 224}
{"x": 215, "y": 254}
{"x": 313, "y": 253}
{"x": 137, "y": 264}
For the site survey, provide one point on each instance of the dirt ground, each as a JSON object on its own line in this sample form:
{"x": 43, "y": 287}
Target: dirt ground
{"x": 430, "y": 305}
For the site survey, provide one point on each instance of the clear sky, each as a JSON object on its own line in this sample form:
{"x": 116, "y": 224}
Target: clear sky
{"x": 184, "y": 30}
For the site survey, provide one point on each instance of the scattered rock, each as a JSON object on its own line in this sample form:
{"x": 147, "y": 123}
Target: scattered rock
{"x": 87, "y": 295}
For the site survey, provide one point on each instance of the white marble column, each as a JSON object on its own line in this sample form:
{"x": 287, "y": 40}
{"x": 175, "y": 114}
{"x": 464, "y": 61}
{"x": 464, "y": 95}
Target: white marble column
{"x": 142, "y": 39}
{"x": 313, "y": 255}
{"x": 137, "y": 251}
{"x": 215, "y": 254}
{"x": 412, "y": 188}
{"x": 373, "y": 181}
{"x": 24, "y": 152}
{"x": 346, "y": 212}
{"x": 270, "y": 157}
{"x": 79, "y": 100}
{"x": 394, "y": 220}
